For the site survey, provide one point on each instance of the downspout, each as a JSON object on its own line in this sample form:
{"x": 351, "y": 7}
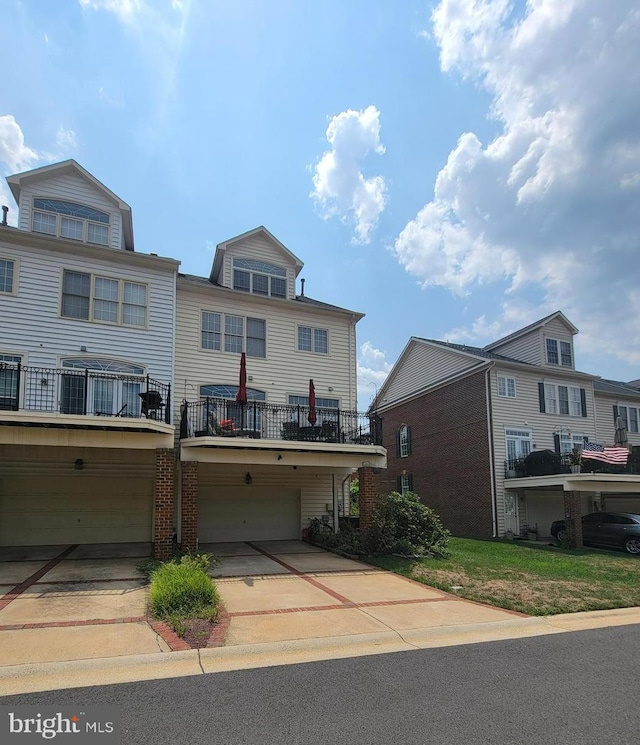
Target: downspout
{"x": 344, "y": 503}
{"x": 492, "y": 475}
{"x": 335, "y": 503}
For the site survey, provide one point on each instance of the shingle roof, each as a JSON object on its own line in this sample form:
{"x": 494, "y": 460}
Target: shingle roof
{"x": 478, "y": 351}
{"x": 615, "y": 386}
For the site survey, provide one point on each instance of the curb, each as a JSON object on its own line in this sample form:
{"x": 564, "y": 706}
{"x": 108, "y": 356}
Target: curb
{"x": 30, "y": 678}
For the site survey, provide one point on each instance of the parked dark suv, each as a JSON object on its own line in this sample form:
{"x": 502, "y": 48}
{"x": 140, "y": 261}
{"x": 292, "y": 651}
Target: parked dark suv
{"x": 611, "y": 529}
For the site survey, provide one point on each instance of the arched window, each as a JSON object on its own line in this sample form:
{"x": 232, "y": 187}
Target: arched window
{"x": 403, "y": 441}
{"x": 247, "y": 417}
{"x": 116, "y": 394}
{"x": 70, "y": 220}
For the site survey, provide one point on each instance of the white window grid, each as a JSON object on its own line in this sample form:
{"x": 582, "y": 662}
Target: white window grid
{"x": 404, "y": 441}
{"x": 506, "y": 386}
{"x": 7, "y": 275}
{"x": 103, "y": 299}
{"x": 313, "y": 339}
{"x": 240, "y": 334}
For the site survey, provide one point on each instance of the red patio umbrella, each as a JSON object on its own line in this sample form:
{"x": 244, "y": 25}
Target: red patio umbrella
{"x": 312, "y": 403}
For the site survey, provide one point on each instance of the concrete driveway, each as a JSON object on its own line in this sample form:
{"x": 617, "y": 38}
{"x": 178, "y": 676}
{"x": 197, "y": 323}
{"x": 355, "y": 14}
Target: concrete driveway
{"x": 287, "y": 590}
{"x": 74, "y": 602}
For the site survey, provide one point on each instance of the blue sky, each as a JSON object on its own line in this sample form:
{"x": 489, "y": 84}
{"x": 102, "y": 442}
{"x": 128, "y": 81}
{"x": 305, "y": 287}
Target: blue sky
{"x": 455, "y": 169}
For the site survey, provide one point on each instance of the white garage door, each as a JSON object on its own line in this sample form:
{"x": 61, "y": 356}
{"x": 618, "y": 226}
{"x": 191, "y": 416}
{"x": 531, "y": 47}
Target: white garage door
{"x": 247, "y": 513}
{"x": 78, "y": 508}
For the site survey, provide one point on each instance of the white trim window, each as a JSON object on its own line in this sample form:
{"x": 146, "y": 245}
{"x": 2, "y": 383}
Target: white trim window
{"x": 312, "y": 339}
{"x": 105, "y": 395}
{"x": 630, "y": 417}
{"x": 240, "y": 334}
{"x": 506, "y": 387}
{"x": 7, "y": 276}
{"x": 70, "y": 220}
{"x": 518, "y": 442}
{"x": 9, "y": 381}
{"x": 562, "y": 399}
{"x": 559, "y": 353}
{"x": 405, "y": 483}
{"x": 103, "y": 299}
{"x": 259, "y": 278}
{"x": 569, "y": 441}
{"x": 403, "y": 440}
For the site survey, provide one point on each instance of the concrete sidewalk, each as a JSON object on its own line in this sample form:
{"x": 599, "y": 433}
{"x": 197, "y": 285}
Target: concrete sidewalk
{"x": 58, "y": 675}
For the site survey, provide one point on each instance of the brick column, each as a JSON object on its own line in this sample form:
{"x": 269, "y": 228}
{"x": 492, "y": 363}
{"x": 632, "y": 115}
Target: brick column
{"x": 368, "y": 495}
{"x": 163, "y": 503}
{"x": 190, "y": 506}
{"x": 573, "y": 518}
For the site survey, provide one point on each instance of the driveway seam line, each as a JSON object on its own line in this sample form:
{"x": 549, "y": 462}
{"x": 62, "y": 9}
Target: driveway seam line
{"x": 27, "y": 583}
{"x": 395, "y": 631}
{"x": 345, "y": 601}
{"x": 64, "y": 624}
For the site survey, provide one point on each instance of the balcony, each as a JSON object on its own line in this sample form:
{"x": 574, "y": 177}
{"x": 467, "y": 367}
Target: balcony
{"x": 548, "y": 463}
{"x": 69, "y": 394}
{"x": 224, "y": 418}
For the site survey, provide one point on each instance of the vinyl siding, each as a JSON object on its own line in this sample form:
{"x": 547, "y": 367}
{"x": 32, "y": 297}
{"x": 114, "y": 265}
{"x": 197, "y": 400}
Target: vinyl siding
{"x": 261, "y": 248}
{"x": 32, "y": 325}
{"x": 285, "y": 370}
{"x": 425, "y": 365}
{"x": 73, "y": 188}
{"x": 523, "y": 412}
{"x": 557, "y": 330}
{"x": 605, "y": 422}
{"x": 526, "y": 348}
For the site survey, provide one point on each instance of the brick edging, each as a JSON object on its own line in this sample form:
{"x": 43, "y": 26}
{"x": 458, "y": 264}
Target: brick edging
{"x": 220, "y": 628}
{"x": 176, "y": 644}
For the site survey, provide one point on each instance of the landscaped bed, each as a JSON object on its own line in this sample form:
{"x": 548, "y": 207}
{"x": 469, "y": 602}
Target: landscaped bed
{"x": 538, "y": 580}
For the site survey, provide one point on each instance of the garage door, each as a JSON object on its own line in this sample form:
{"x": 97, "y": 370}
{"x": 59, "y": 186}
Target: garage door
{"x": 248, "y": 514}
{"x": 623, "y": 504}
{"x": 79, "y": 508}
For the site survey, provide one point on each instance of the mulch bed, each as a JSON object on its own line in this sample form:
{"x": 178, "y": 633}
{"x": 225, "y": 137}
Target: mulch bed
{"x": 198, "y": 632}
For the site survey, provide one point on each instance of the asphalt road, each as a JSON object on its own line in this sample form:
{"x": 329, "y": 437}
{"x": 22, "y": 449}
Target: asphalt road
{"x": 573, "y": 688}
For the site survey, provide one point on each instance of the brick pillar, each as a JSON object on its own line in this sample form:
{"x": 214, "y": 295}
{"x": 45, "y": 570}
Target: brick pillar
{"x": 163, "y": 503}
{"x": 190, "y": 506}
{"x": 368, "y": 495}
{"x": 573, "y": 518}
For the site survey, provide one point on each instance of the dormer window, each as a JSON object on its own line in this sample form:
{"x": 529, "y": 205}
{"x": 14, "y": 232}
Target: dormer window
{"x": 559, "y": 353}
{"x": 70, "y": 220}
{"x": 259, "y": 278}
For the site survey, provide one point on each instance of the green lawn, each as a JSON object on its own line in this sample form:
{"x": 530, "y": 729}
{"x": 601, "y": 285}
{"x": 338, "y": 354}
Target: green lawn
{"x": 538, "y": 580}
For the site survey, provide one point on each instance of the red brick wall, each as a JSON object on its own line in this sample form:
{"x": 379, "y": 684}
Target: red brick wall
{"x": 449, "y": 454}
{"x": 189, "y": 506}
{"x": 369, "y": 489}
{"x": 573, "y": 518}
{"x": 163, "y": 503}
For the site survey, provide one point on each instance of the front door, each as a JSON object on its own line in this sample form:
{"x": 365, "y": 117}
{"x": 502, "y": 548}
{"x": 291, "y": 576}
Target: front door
{"x": 511, "y": 513}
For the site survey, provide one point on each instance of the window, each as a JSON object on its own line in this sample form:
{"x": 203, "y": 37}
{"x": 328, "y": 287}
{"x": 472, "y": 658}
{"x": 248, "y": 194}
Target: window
{"x": 405, "y": 482}
{"x": 568, "y": 441}
{"x": 114, "y": 300}
{"x": 326, "y": 408}
{"x": 506, "y": 387}
{"x": 255, "y": 343}
{"x": 629, "y": 416}
{"x": 102, "y": 395}
{"x": 70, "y": 220}
{"x": 9, "y": 382}
{"x": 404, "y": 441}
{"x": 7, "y": 270}
{"x": 247, "y": 417}
{"x": 559, "y": 353}
{"x": 567, "y": 400}
{"x": 259, "y": 277}
{"x": 313, "y": 340}
{"x": 518, "y": 444}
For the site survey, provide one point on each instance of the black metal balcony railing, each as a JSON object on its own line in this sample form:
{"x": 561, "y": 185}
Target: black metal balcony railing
{"x": 219, "y": 417}
{"x": 548, "y": 463}
{"x": 83, "y": 392}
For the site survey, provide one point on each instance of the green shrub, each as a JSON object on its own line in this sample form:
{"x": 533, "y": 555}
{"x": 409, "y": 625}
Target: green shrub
{"x": 401, "y": 524}
{"x": 183, "y": 589}
{"x": 147, "y": 566}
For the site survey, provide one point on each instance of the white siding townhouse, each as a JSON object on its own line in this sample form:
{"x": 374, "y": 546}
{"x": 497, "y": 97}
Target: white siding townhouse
{"x": 262, "y": 471}
{"x": 116, "y": 429}
{"x": 483, "y": 435}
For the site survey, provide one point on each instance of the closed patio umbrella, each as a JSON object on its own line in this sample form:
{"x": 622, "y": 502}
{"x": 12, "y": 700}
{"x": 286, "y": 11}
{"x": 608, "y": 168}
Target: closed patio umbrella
{"x": 241, "y": 395}
{"x": 312, "y": 403}
{"x": 620, "y": 437}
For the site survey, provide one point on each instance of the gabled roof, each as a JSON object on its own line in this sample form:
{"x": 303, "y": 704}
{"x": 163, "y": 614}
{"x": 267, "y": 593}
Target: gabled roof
{"x": 532, "y": 327}
{"x": 616, "y": 387}
{"x": 18, "y": 180}
{"x": 260, "y": 230}
{"x": 476, "y": 351}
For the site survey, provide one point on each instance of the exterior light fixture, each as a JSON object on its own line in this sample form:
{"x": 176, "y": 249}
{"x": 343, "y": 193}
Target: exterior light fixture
{"x": 248, "y": 479}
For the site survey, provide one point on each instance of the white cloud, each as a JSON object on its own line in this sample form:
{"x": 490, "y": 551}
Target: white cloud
{"x": 125, "y": 10}
{"x": 340, "y": 187}
{"x": 16, "y": 156}
{"x": 550, "y": 204}
{"x": 373, "y": 369}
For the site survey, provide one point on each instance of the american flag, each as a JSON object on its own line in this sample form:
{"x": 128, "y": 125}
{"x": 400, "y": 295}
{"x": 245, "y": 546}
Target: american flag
{"x": 616, "y": 455}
